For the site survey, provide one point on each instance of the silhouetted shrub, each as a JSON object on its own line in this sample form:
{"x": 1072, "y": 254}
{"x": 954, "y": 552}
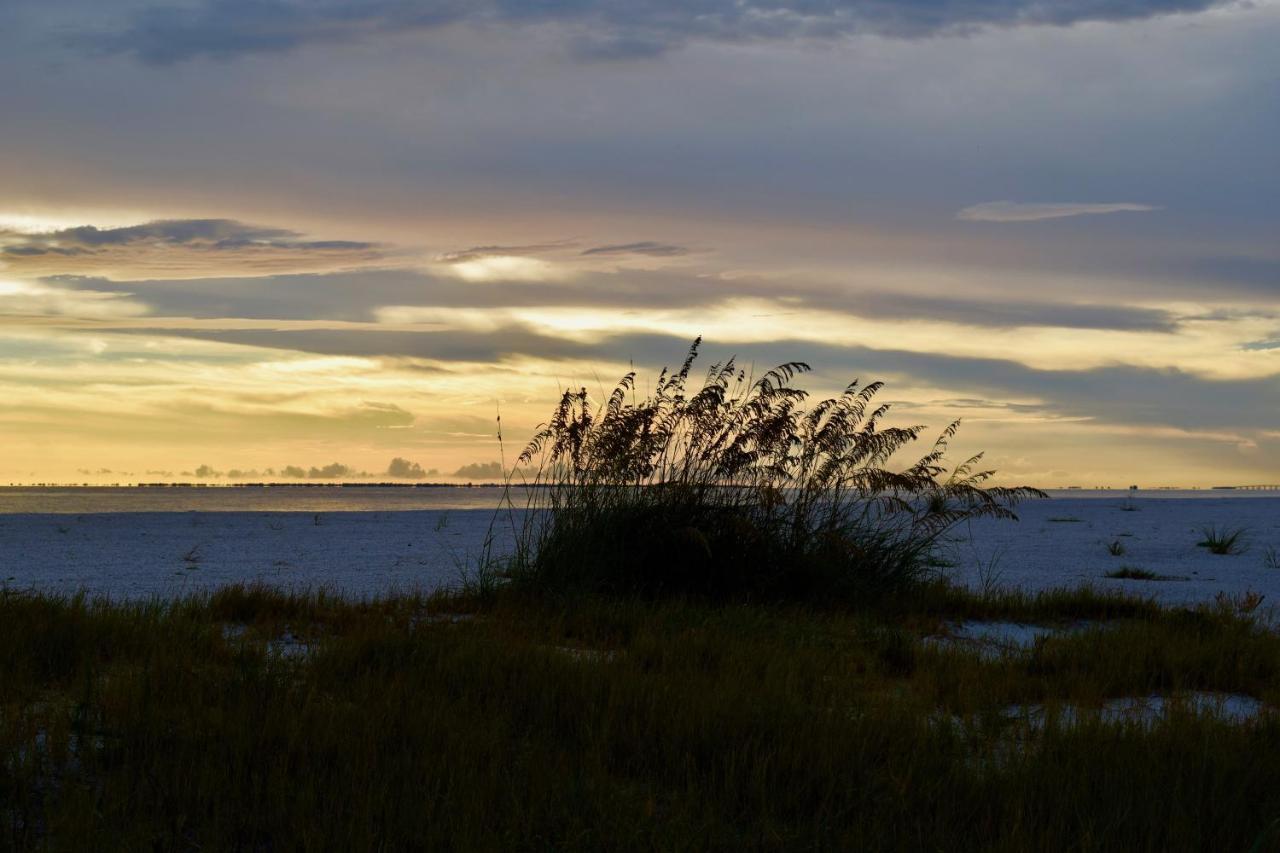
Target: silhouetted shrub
{"x": 736, "y": 489}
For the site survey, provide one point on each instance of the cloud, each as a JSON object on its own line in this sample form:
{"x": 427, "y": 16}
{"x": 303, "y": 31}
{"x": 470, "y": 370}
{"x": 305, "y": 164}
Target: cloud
{"x": 371, "y": 295}
{"x": 333, "y": 471}
{"x": 381, "y": 415}
{"x": 453, "y": 345}
{"x": 617, "y": 48}
{"x": 644, "y": 247}
{"x": 480, "y": 471}
{"x": 511, "y": 339}
{"x": 1114, "y": 394}
{"x": 482, "y": 253}
{"x": 42, "y": 299}
{"x": 181, "y": 248}
{"x": 1143, "y": 397}
{"x": 993, "y": 314}
{"x": 504, "y": 263}
{"x": 217, "y": 234}
{"x": 403, "y": 469}
{"x": 476, "y": 253}
{"x": 1012, "y": 211}
{"x": 506, "y": 268}
{"x": 607, "y": 29}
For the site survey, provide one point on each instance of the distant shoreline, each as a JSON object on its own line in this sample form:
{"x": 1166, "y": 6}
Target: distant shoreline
{"x": 263, "y": 485}
{"x": 491, "y": 485}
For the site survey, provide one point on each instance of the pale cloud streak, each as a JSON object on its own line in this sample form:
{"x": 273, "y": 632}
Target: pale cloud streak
{"x": 1012, "y": 211}
{"x": 476, "y": 253}
{"x": 26, "y": 298}
{"x": 506, "y": 268}
{"x": 648, "y": 248}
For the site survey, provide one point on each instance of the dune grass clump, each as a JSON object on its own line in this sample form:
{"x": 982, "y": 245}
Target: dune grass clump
{"x": 1135, "y": 574}
{"x": 738, "y": 490}
{"x": 1226, "y": 541}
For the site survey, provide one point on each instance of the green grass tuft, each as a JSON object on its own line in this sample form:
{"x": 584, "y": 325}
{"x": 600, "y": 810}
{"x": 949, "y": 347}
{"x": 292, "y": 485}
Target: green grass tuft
{"x": 1226, "y": 541}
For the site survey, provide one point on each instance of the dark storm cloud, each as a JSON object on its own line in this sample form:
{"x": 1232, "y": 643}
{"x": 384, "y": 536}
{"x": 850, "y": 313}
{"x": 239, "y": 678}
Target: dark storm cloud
{"x": 606, "y": 29}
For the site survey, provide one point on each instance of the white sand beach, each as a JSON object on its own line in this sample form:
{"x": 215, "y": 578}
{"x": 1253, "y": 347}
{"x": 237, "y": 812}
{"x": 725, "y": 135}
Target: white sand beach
{"x": 1058, "y": 542}
{"x": 1064, "y": 542}
{"x": 139, "y": 555}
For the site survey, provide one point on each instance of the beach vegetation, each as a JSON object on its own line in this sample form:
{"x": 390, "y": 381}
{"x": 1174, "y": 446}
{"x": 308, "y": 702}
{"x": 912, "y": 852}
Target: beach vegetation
{"x": 1223, "y": 540}
{"x": 739, "y": 488}
{"x": 254, "y": 719}
{"x": 1134, "y": 573}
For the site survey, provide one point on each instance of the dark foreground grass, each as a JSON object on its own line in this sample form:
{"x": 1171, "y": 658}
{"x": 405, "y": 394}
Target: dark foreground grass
{"x": 587, "y": 723}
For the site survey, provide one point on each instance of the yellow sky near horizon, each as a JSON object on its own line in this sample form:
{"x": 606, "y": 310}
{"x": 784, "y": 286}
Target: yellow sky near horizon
{"x": 334, "y": 235}
{"x": 119, "y": 388}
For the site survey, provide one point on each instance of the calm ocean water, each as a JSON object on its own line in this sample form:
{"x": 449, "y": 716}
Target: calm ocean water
{"x": 289, "y": 498}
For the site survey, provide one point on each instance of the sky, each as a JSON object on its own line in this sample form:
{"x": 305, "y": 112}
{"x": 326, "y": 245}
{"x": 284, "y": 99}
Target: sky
{"x": 246, "y": 239}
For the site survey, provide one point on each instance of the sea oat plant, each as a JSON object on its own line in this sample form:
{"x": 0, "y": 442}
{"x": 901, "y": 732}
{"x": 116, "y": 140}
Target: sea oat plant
{"x": 738, "y": 489}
